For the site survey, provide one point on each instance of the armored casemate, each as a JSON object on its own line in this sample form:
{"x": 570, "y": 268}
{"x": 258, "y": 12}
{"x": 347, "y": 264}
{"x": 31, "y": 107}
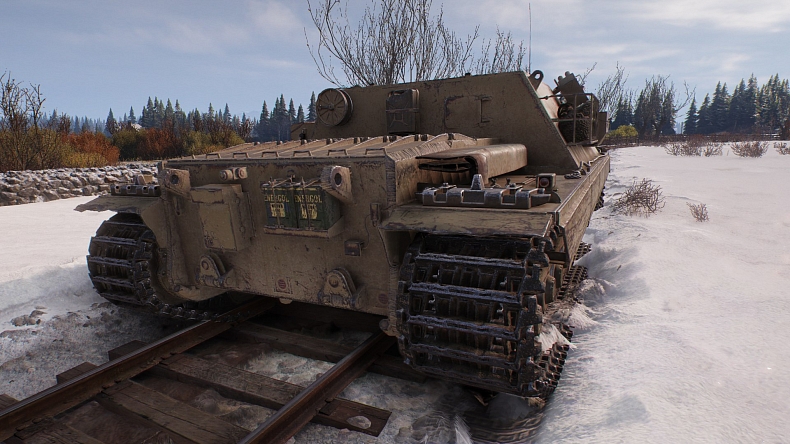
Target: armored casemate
{"x": 451, "y": 208}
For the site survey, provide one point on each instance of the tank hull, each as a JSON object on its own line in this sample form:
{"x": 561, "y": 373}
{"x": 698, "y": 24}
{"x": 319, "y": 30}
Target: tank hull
{"x": 451, "y": 209}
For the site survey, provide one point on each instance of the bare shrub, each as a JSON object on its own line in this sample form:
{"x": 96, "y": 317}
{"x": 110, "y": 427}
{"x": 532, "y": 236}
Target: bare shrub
{"x": 673, "y": 148}
{"x": 691, "y": 147}
{"x": 641, "y": 198}
{"x": 781, "y": 148}
{"x": 699, "y": 211}
{"x": 712, "y": 149}
{"x": 750, "y": 149}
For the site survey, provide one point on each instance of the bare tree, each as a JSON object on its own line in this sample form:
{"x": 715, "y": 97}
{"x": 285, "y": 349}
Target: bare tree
{"x": 27, "y": 140}
{"x": 583, "y": 77}
{"x": 506, "y": 57}
{"x": 401, "y": 41}
{"x": 610, "y": 91}
{"x": 395, "y": 41}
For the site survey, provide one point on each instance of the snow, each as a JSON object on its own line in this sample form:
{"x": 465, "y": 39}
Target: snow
{"x": 44, "y": 281}
{"x": 693, "y": 318}
{"x": 682, "y": 336}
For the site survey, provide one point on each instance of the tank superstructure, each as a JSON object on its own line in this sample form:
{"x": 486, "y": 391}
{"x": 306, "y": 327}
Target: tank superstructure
{"x": 450, "y": 208}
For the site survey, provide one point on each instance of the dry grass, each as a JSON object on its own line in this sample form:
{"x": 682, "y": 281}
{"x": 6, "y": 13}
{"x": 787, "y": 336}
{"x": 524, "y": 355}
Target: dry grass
{"x": 641, "y": 198}
{"x": 699, "y": 211}
{"x": 781, "y": 148}
{"x": 750, "y": 149}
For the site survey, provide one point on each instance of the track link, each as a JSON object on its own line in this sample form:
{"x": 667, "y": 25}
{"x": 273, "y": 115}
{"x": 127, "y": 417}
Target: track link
{"x": 122, "y": 264}
{"x": 469, "y": 310}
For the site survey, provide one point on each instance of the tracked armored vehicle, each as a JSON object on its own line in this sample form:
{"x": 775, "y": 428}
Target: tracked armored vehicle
{"x": 451, "y": 208}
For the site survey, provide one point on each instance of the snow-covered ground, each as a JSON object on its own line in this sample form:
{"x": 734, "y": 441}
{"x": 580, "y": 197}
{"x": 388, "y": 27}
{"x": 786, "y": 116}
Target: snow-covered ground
{"x": 45, "y": 290}
{"x": 686, "y": 338}
{"x": 692, "y": 341}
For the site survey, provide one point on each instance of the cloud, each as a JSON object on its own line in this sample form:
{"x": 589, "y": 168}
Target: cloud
{"x": 273, "y": 19}
{"x": 514, "y": 14}
{"x": 754, "y": 16}
{"x": 193, "y": 36}
{"x": 728, "y": 63}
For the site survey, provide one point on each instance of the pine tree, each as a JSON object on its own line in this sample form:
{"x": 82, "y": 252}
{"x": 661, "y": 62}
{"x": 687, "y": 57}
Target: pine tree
{"x": 159, "y": 113}
{"x": 718, "y": 108}
{"x": 169, "y": 114}
{"x": 624, "y": 113}
{"x": 111, "y": 126}
{"x": 262, "y": 129}
{"x": 132, "y": 118}
{"x": 196, "y": 121}
{"x": 291, "y": 113}
{"x": 703, "y": 117}
{"x": 750, "y": 104}
{"x": 774, "y": 104}
{"x": 667, "y": 116}
{"x": 690, "y": 125}
{"x": 283, "y": 120}
{"x": 180, "y": 117}
{"x": 226, "y": 115}
{"x": 311, "y": 115}
{"x": 735, "y": 113}
{"x": 147, "y": 119}
{"x": 300, "y": 114}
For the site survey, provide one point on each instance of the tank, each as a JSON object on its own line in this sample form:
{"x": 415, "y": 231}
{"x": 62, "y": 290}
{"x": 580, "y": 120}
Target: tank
{"x": 452, "y": 209}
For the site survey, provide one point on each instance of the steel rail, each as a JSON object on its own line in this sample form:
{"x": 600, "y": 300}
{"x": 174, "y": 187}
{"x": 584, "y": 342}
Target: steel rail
{"x": 300, "y": 410}
{"x": 68, "y": 394}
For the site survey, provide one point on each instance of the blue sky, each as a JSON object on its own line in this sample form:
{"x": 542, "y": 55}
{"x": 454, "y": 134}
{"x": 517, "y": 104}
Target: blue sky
{"x": 93, "y": 55}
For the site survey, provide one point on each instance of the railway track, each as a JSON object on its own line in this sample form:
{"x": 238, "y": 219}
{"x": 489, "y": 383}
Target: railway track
{"x": 145, "y": 393}
{"x": 142, "y": 393}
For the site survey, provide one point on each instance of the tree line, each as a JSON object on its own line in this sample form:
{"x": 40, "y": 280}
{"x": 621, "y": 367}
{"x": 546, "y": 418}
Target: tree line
{"x": 750, "y": 109}
{"x": 32, "y": 139}
{"x": 165, "y": 130}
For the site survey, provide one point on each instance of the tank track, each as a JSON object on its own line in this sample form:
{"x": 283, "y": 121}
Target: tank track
{"x": 575, "y": 274}
{"x": 122, "y": 265}
{"x": 470, "y": 309}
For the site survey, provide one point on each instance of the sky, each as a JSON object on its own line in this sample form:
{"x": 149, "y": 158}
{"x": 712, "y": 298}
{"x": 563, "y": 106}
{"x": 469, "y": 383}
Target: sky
{"x": 91, "y": 55}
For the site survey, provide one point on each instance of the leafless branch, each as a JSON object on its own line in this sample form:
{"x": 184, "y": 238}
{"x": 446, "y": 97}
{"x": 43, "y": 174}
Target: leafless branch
{"x": 781, "y": 148}
{"x": 699, "y": 211}
{"x": 27, "y": 140}
{"x": 507, "y": 55}
{"x": 610, "y": 91}
{"x": 583, "y": 77}
{"x": 750, "y": 149}
{"x": 401, "y": 41}
{"x": 641, "y": 198}
{"x": 395, "y": 41}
